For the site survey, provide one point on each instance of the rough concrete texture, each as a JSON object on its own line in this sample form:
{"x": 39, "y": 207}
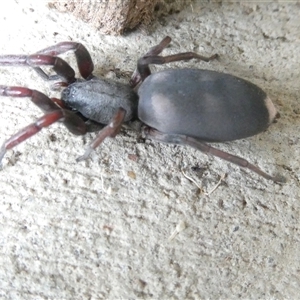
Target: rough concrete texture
{"x": 100, "y": 229}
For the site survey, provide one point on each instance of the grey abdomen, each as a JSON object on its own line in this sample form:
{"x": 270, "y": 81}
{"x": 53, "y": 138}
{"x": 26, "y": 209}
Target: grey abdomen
{"x": 207, "y": 105}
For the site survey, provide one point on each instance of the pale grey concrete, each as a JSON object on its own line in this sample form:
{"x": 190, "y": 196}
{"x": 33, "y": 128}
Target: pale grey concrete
{"x": 100, "y": 229}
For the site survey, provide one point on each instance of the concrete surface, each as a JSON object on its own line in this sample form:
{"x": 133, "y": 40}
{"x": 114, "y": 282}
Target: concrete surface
{"x": 101, "y": 229}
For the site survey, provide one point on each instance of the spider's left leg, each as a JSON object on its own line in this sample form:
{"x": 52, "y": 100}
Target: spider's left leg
{"x": 110, "y": 130}
{"x": 73, "y": 122}
{"x": 43, "y": 102}
{"x": 70, "y": 120}
{"x": 54, "y": 113}
{"x": 199, "y": 145}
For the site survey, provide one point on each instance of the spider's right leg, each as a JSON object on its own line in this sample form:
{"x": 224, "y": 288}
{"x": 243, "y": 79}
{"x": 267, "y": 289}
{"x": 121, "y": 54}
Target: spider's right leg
{"x": 151, "y": 57}
{"x": 48, "y": 57}
{"x": 36, "y": 61}
{"x": 83, "y": 57}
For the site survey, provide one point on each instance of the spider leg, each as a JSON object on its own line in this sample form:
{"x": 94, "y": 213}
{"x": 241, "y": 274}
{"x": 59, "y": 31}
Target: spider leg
{"x": 30, "y": 130}
{"x": 54, "y": 111}
{"x": 73, "y": 122}
{"x": 75, "y": 125}
{"x": 185, "y": 140}
{"x": 151, "y": 57}
{"x": 48, "y": 57}
{"x": 39, "y": 99}
{"x": 61, "y": 67}
{"x": 110, "y": 130}
{"x": 83, "y": 58}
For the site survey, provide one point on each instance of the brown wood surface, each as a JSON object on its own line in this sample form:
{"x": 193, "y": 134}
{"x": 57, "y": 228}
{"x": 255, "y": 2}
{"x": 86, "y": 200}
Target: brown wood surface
{"x": 118, "y": 16}
{"x": 110, "y": 17}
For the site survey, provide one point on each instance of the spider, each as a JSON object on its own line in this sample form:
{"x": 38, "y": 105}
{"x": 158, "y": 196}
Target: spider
{"x": 179, "y": 106}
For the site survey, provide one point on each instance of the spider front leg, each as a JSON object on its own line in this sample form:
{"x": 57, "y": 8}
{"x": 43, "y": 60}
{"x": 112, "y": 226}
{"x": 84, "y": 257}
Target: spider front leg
{"x": 47, "y": 57}
{"x": 83, "y": 58}
{"x": 39, "y": 99}
{"x": 30, "y": 130}
{"x": 54, "y": 113}
{"x": 71, "y": 121}
{"x": 60, "y": 67}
